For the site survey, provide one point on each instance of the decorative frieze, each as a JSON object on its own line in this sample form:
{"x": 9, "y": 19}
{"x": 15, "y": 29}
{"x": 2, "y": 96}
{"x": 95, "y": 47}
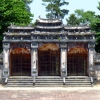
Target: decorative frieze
{"x": 20, "y": 45}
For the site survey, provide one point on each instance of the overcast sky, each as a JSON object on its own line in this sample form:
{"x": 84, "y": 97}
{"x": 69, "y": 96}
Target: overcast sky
{"x": 39, "y": 10}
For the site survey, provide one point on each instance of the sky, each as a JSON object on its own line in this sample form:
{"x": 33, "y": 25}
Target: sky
{"x": 39, "y": 10}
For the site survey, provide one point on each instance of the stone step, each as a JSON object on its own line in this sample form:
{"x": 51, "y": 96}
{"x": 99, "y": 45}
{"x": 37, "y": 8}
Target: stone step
{"x": 19, "y": 85}
{"x": 48, "y": 85}
{"x": 48, "y": 77}
{"x": 78, "y": 85}
{"x": 49, "y": 81}
{"x": 78, "y": 78}
{"x": 77, "y": 81}
{"x": 19, "y": 80}
{"x": 14, "y": 81}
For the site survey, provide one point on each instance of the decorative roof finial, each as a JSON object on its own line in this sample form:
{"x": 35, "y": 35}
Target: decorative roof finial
{"x": 11, "y": 24}
{"x": 39, "y": 17}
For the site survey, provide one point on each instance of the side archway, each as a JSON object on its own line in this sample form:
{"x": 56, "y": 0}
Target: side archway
{"x": 20, "y": 62}
{"x": 49, "y": 60}
{"x": 77, "y": 61}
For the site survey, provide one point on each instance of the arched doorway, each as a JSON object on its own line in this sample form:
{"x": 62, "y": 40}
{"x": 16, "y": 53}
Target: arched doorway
{"x": 77, "y": 61}
{"x": 20, "y": 62}
{"x": 49, "y": 60}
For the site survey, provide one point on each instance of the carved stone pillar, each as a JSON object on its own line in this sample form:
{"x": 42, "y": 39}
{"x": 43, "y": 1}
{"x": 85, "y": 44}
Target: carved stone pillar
{"x": 34, "y": 59}
{"x": 63, "y": 60}
{"x": 91, "y": 59}
{"x": 6, "y": 69}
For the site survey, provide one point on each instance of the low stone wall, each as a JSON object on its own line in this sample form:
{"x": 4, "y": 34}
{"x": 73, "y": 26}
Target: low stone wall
{"x": 1, "y": 66}
{"x": 97, "y": 69}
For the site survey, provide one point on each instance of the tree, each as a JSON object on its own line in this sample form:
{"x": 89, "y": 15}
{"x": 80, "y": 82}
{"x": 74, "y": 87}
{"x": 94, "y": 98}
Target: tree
{"x": 73, "y": 20}
{"x": 53, "y": 7}
{"x": 87, "y": 17}
{"x": 15, "y": 12}
{"x": 96, "y": 28}
{"x": 27, "y": 2}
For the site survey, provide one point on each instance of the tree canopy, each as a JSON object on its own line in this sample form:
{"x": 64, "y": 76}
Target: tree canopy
{"x": 27, "y": 2}
{"x": 80, "y": 17}
{"x": 54, "y": 8}
{"x": 96, "y": 28}
{"x": 73, "y": 20}
{"x": 87, "y": 17}
{"x": 15, "y": 12}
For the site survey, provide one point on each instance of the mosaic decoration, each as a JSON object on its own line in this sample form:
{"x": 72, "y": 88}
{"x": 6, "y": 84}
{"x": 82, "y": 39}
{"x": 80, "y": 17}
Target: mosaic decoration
{"x": 77, "y": 50}
{"x": 20, "y": 51}
{"x": 20, "y": 48}
{"x": 48, "y": 46}
{"x": 77, "y": 45}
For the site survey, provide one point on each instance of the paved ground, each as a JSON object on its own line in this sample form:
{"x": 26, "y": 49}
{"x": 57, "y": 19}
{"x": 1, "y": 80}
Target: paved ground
{"x": 50, "y": 93}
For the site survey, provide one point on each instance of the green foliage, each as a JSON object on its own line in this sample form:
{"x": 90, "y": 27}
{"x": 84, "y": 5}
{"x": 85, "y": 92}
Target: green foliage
{"x": 87, "y": 17}
{"x": 35, "y": 23}
{"x": 27, "y": 2}
{"x": 73, "y": 20}
{"x": 80, "y": 17}
{"x": 96, "y": 27}
{"x": 15, "y": 12}
{"x": 53, "y": 7}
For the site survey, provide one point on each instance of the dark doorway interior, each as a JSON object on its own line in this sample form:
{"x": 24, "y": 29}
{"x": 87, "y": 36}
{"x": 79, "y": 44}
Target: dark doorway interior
{"x": 20, "y": 64}
{"x": 49, "y": 64}
{"x": 77, "y": 62}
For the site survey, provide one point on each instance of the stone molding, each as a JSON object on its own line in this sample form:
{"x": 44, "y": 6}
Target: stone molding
{"x": 91, "y": 45}
{"x": 63, "y": 45}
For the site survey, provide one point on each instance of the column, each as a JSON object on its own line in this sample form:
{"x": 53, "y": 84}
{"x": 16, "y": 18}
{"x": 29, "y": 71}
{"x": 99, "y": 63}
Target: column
{"x": 6, "y": 69}
{"x": 34, "y": 58}
{"x": 91, "y": 59}
{"x": 63, "y": 60}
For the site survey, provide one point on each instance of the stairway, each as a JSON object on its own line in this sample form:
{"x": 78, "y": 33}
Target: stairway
{"x": 78, "y": 81}
{"x": 19, "y": 81}
{"x": 49, "y": 81}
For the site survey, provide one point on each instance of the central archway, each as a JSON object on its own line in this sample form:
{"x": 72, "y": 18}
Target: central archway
{"x": 77, "y": 61}
{"x": 49, "y": 60}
